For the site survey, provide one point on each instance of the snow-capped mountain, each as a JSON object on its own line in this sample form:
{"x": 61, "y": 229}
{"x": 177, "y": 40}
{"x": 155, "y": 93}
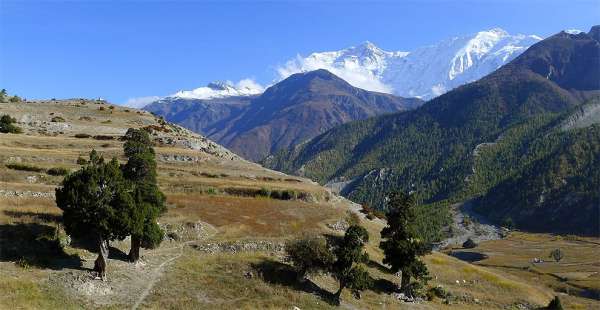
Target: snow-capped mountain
{"x": 214, "y": 90}
{"x": 426, "y": 72}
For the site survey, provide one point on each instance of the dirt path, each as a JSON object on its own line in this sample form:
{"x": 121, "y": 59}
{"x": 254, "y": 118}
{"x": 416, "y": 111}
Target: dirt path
{"x": 469, "y": 224}
{"x": 157, "y": 272}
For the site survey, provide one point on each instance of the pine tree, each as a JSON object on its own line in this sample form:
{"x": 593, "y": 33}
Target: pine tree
{"x": 401, "y": 245}
{"x": 349, "y": 253}
{"x": 96, "y": 204}
{"x": 149, "y": 201}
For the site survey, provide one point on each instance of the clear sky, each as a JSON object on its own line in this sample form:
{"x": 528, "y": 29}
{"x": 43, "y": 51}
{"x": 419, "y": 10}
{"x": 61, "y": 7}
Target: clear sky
{"x": 123, "y": 49}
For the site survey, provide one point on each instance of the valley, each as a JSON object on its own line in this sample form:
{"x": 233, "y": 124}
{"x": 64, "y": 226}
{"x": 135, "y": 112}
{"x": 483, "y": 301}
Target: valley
{"x": 224, "y": 235}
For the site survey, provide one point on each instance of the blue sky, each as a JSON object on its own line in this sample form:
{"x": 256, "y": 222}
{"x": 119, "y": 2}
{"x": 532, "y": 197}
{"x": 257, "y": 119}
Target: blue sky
{"x": 123, "y": 49}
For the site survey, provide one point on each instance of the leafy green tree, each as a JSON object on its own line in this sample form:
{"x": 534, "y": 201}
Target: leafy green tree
{"x": 308, "y": 255}
{"x": 401, "y": 245}
{"x": 349, "y": 253}
{"x": 96, "y": 204}
{"x": 149, "y": 201}
{"x": 7, "y": 124}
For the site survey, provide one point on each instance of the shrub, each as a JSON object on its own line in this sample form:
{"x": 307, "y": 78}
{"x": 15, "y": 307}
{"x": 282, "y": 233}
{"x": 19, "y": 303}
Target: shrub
{"x": 15, "y": 99}
{"x": 82, "y": 135}
{"x": 24, "y": 167}
{"x": 57, "y": 119}
{"x": 85, "y": 118}
{"x": 81, "y": 161}
{"x": 103, "y": 137}
{"x": 101, "y": 108}
{"x": 352, "y": 218}
{"x": 58, "y": 171}
{"x": 308, "y": 254}
{"x": 7, "y": 125}
{"x": 106, "y": 121}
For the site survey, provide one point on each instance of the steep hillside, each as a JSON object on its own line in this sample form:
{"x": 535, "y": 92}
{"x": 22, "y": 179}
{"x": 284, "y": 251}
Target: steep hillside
{"x": 287, "y": 113}
{"x": 434, "y": 149}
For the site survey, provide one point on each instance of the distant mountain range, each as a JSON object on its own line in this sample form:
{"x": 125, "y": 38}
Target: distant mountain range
{"x": 292, "y": 111}
{"x": 426, "y": 72}
{"x": 523, "y": 142}
{"x": 221, "y": 110}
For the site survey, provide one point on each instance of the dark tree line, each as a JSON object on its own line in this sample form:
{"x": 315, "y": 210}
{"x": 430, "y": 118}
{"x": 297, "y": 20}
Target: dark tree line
{"x": 106, "y": 201}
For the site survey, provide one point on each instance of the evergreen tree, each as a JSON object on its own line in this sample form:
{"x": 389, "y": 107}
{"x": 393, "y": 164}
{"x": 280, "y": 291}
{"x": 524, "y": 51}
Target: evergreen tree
{"x": 149, "y": 201}
{"x": 96, "y": 204}
{"x": 555, "y": 304}
{"x": 349, "y": 253}
{"x": 401, "y": 245}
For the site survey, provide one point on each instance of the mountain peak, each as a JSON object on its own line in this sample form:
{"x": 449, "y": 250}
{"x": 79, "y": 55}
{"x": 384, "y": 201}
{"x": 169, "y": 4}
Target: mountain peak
{"x": 219, "y": 85}
{"x": 496, "y": 31}
{"x": 221, "y": 89}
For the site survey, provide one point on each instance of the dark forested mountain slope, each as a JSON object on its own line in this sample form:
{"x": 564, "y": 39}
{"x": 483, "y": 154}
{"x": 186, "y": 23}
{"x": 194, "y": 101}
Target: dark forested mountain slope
{"x": 436, "y": 149}
{"x": 292, "y": 111}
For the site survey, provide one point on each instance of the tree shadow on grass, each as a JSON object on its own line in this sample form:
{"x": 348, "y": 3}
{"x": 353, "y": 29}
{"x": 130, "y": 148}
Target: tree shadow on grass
{"x": 43, "y": 217}
{"x": 275, "y": 272}
{"x": 373, "y": 264}
{"x": 115, "y": 253}
{"x": 33, "y": 244}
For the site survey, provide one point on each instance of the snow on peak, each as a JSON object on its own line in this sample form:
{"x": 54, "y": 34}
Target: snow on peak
{"x": 573, "y": 31}
{"x": 221, "y": 89}
{"x": 425, "y": 72}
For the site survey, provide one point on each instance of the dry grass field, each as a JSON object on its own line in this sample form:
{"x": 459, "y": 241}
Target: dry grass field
{"x": 227, "y": 220}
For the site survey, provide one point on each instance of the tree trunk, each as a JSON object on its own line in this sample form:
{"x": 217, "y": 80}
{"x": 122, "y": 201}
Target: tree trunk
{"x": 404, "y": 283}
{"x": 134, "y": 253}
{"x": 339, "y": 293}
{"x": 100, "y": 263}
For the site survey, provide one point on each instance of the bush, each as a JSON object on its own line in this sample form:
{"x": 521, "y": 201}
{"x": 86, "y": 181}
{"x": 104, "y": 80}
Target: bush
{"x": 308, "y": 254}
{"x": 101, "y": 108}
{"x": 7, "y": 125}
{"x": 15, "y": 99}
{"x": 58, "y": 171}
{"x": 24, "y": 167}
{"x": 103, "y": 137}
{"x": 81, "y": 161}
{"x": 85, "y": 118}
{"x": 82, "y": 135}
{"x": 57, "y": 119}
